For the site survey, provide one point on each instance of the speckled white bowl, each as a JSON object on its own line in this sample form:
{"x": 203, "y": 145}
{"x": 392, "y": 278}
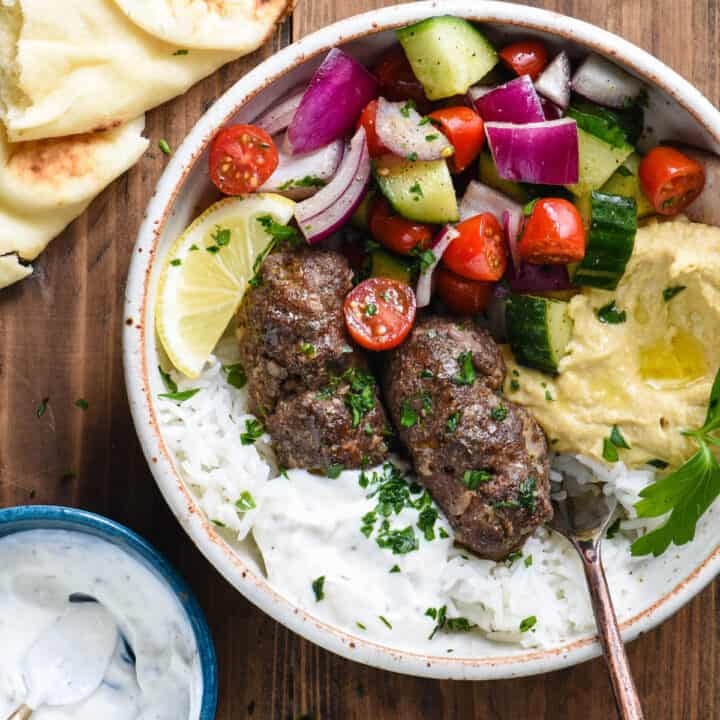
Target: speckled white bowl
{"x": 679, "y": 111}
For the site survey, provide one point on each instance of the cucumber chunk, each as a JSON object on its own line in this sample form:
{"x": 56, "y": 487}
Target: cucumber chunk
{"x": 539, "y": 330}
{"x": 383, "y": 264}
{"x": 419, "y": 190}
{"x": 361, "y": 217}
{"x": 598, "y": 161}
{"x": 489, "y": 176}
{"x": 626, "y": 182}
{"x": 447, "y": 55}
{"x": 610, "y": 243}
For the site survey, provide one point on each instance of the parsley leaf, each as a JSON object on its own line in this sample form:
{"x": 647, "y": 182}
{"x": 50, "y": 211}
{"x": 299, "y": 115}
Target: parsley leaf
{"x": 426, "y": 522}
{"x": 318, "y": 587}
{"x": 170, "y": 384}
{"x": 528, "y": 623}
{"x": 385, "y": 622}
{"x": 528, "y": 494}
{"x": 473, "y": 478}
{"x": 82, "y": 404}
{"x": 236, "y": 375}
{"x": 609, "y": 452}
{"x": 334, "y": 470}
{"x": 499, "y": 413}
{"x": 221, "y": 236}
{"x": 453, "y": 422}
{"x": 254, "y": 430}
{"x": 406, "y": 108}
{"x": 309, "y": 181}
{"x": 416, "y": 191}
{"x": 181, "y": 51}
{"x": 408, "y": 416}
{"x": 467, "y": 369}
{"x": 617, "y": 439}
{"x": 395, "y": 569}
{"x": 610, "y": 315}
{"x": 42, "y": 407}
{"x": 400, "y": 542}
{"x": 425, "y": 258}
{"x": 245, "y": 502}
{"x": 165, "y": 146}
{"x": 181, "y": 396}
{"x": 442, "y": 621}
{"x": 278, "y": 234}
{"x": 670, "y": 292}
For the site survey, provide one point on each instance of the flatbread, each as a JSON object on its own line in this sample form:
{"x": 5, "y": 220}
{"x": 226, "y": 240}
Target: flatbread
{"x": 73, "y": 66}
{"x": 240, "y": 25}
{"x": 46, "y": 184}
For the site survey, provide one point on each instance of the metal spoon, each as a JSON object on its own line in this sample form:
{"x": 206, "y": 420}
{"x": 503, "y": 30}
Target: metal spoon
{"x": 582, "y": 519}
{"x": 67, "y": 663}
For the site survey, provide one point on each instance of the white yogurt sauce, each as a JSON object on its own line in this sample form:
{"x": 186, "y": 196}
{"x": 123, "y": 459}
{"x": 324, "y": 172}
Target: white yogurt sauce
{"x": 39, "y": 569}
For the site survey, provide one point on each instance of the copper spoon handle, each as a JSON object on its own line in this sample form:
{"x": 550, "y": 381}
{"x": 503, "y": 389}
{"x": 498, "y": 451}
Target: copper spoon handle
{"x": 22, "y": 713}
{"x": 626, "y": 695}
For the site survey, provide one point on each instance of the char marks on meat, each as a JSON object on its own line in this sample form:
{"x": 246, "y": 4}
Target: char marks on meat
{"x": 305, "y": 378}
{"x": 483, "y": 458}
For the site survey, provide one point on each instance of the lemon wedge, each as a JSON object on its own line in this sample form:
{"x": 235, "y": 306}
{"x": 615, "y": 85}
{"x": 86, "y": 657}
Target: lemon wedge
{"x": 206, "y": 272}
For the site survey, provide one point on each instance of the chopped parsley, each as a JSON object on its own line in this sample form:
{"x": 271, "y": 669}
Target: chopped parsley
{"x": 236, "y": 375}
{"x": 443, "y": 622}
{"x": 624, "y": 171}
{"x": 613, "y": 530}
{"x": 309, "y": 181}
{"x": 395, "y": 569}
{"x": 514, "y": 385}
{"x": 219, "y": 523}
{"x": 609, "y": 451}
{"x": 453, "y": 421}
{"x": 408, "y": 416}
{"x": 318, "y": 587}
{"x": 406, "y": 108}
{"x": 528, "y": 561}
{"x": 610, "y": 315}
{"x": 612, "y": 444}
{"x": 278, "y": 234}
{"x": 686, "y": 492}
{"x": 467, "y": 374}
{"x": 529, "y": 207}
{"x": 371, "y": 309}
{"x": 416, "y": 190}
{"x": 334, "y": 470}
{"x": 548, "y": 395}
{"x": 254, "y": 430}
{"x": 42, "y": 407}
{"x": 307, "y": 349}
{"x": 473, "y": 478}
{"x": 175, "y": 262}
{"x": 360, "y": 625}
{"x": 426, "y": 374}
{"x": 170, "y": 384}
{"x": 617, "y": 439}
{"x": 245, "y": 502}
{"x": 513, "y": 557}
{"x": 432, "y": 137}
{"x": 165, "y": 146}
{"x": 181, "y": 51}
{"x": 385, "y": 622}
{"x": 499, "y": 413}
{"x": 194, "y": 247}
{"x": 400, "y": 542}
{"x": 424, "y": 121}
{"x": 412, "y": 157}
{"x": 658, "y": 463}
{"x": 425, "y": 258}
{"x": 528, "y": 494}
{"x": 181, "y": 396}
{"x": 360, "y": 399}
{"x": 528, "y": 623}
{"x": 221, "y": 236}
{"x": 670, "y": 292}
{"x": 442, "y": 532}
{"x": 82, "y": 404}
{"x": 426, "y": 522}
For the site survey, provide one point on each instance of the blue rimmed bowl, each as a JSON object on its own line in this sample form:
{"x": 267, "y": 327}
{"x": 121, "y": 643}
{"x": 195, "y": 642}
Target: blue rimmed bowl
{"x": 52, "y": 517}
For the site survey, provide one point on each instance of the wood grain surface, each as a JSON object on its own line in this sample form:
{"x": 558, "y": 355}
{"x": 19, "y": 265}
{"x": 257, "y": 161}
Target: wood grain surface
{"x": 60, "y": 339}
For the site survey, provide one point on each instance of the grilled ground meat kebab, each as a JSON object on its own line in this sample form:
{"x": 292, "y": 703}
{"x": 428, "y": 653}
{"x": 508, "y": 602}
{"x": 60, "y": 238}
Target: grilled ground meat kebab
{"x": 483, "y": 458}
{"x": 305, "y": 379}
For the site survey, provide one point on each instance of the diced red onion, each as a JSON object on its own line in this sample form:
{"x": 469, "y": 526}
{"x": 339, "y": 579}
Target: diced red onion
{"x": 479, "y": 198}
{"x": 401, "y": 130}
{"x": 278, "y": 117}
{"x": 605, "y": 83}
{"x": 554, "y": 82}
{"x": 331, "y": 105}
{"x": 294, "y": 171}
{"x": 514, "y": 102}
{"x": 544, "y": 153}
{"x": 529, "y": 278}
{"x": 323, "y": 213}
{"x": 551, "y": 110}
{"x": 512, "y": 222}
{"x": 423, "y": 292}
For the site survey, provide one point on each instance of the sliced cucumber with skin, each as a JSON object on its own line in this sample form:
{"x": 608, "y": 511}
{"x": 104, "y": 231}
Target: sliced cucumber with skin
{"x": 539, "y": 330}
{"x": 610, "y": 242}
{"x": 598, "y": 161}
{"x": 489, "y": 176}
{"x": 361, "y": 217}
{"x": 383, "y": 264}
{"x": 447, "y": 55}
{"x": 419, "y": 190}
{"x": 626, "y": 182}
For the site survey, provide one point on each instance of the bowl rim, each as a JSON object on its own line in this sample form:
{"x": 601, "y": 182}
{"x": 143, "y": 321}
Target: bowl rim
{"x": 25, "y": 518}
{"x": 139, "y": 321}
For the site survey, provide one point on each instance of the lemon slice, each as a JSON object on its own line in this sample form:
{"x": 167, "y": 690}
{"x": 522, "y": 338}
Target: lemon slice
{"x": 206, "y": 273}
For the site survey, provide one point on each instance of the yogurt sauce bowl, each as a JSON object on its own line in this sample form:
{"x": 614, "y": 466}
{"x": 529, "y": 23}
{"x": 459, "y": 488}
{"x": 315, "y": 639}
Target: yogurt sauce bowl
{"x": 164, "y": 665}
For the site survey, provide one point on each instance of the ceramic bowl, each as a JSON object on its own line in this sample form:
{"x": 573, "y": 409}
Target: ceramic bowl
{"x": 52, "y": 517}
{"x": 679, "y": 111}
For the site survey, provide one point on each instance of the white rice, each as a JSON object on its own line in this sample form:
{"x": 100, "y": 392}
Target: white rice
{"x": 307, "y": 526}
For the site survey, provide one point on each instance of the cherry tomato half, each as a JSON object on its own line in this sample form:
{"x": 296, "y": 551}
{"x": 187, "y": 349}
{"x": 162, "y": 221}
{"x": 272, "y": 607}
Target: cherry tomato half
{"x": 670, "y": 179}
{"x": 379, "y": 313}
{"x": 554, "y": 234}
{"x": 367, "y": 120}
{"x": 480, "y": 251}
{"x": 460, "y": 295}
{"x": 396, "y": 233}
{"x": 525, "y": 58}
{"x": 465, "y": 129}
{"x": 397, "y": 80}
{"x": 242, "y": 158}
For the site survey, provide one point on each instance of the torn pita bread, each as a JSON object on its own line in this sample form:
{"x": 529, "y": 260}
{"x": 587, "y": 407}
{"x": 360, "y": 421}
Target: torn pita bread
{"x": 72, "y": 66}
{"x": 46, "y": 184}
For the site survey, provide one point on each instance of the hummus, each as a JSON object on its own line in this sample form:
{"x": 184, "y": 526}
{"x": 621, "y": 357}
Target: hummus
{"x": 650, "y": 375}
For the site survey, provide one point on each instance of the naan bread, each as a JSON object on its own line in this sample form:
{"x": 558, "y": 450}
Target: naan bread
{"x": 240, "y": 25}
{"x": 72, "y": 66}
{"x": 45, "y": 184}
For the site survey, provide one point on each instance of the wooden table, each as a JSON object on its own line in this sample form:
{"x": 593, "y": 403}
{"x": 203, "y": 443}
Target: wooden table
{"x": 60, "y": 339}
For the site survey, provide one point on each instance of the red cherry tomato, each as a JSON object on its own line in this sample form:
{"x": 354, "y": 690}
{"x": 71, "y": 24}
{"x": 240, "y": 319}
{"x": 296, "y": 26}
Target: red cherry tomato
{"x": 396, "y": 233}
{"x": 525, "y": 58}
{"x": 480, "y": 251}
{"x": 465, "y": 129}
{"x": 242, "y": 158}
{"x": 397, "y": 80}
{"x": 379, "y": 313}
{"x": 460, "y": 295}
{"x": 670, "y": 179}
{"x": 554, "y": 234}
{"x": 367, "y": 120}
